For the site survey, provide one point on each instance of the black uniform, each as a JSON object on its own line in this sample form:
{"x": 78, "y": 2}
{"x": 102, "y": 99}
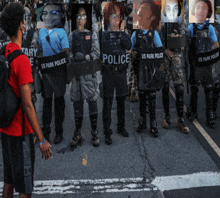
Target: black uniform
{"x": 144, "y": 69}
{"x": 115, "y": 62}
{"x": 200, "y": 43}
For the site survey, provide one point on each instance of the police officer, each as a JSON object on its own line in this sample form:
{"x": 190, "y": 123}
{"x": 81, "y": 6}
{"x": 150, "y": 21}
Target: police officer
{"x": 115, "y": 60}
{"x": 216, "y": 86}
{"x": 148, "y": 38}
{"x": 202, "y": 39}
{"x": 52, "y": 40}
{"x": 84, "y": 46}
{"x": 172, "y": 68}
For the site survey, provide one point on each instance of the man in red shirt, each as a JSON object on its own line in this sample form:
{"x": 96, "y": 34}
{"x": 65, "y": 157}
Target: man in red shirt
{"x": 18, "y": 150}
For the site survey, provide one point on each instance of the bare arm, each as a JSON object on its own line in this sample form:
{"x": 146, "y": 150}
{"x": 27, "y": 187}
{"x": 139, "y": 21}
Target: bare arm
{"x": 29, "y": 111}
{"x": 67, "y": 51}
{"x": 215, "y": 45}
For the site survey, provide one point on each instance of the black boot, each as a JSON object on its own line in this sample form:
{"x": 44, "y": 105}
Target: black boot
{"x": 94, "y": 132}
{"x": 108, "y": 139}
{"x": 46, "y": 118}
{"x": 77, "y": 138}
{"x": 216, "y": 91}
{"x": 152, "y": 112}
{"x": 59, "y": 136}
{"x": 191, "y": 112}
{"x": 179, "y": 107}
{"x": 142, "y": 108}
{"x": 121, "y": 116}
{"x": 59, "y": 104}
{"x": 209, "y": 106}
{"x": 78, "y": 115}
{"x": 166, "y": 105}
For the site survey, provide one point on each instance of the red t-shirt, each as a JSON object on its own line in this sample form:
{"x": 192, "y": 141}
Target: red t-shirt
{"x": 20, "y": 74}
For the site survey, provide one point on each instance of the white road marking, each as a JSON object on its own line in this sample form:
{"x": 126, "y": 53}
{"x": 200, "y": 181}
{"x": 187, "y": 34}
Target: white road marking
{"x": 202, "y": 130}
{"x": 116, "y": 185}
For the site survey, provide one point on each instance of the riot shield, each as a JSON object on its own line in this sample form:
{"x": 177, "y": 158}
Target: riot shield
{"x": 150, "y": 77}
{"x": 52, "y": 63}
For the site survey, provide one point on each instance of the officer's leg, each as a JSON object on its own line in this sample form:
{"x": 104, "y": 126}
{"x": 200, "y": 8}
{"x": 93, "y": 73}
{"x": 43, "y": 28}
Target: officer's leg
{"x": 59, "y": 103}
{"x": 107, "y": 106}
{"x": 93, "y": 114}
{"x": 166, "y": 105}
{"x": 209, "y": 105}
{"x": 191, "y": 112}
{"x": 121, "y": 116}
{"x": 216, "y": 90}
{"x": 179, "y": 89}
{"x": 46, "y": 117}
{"x": 142, "y": 108}
{"x": 78, "y": 114}
{"x": 152, "y": 112}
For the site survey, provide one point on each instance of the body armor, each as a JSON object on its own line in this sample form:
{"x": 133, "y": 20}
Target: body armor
{"x": 82, "y": 42}
{"x": 114, "y": 57}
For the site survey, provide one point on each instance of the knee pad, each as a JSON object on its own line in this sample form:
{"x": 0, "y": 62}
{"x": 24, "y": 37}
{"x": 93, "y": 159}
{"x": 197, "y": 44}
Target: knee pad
{"x": 208, "y": 87}
{"x": 142, "y": 95}
{"x": 165, "y": 88}
{"x": 78, "y": 108}
{"x": 179, "y": 89}
{"x": 92, "y": 107}
{"x": 217, "y": 87}
{"x": 194, "y": 88}
{"x": 152, "y": 95}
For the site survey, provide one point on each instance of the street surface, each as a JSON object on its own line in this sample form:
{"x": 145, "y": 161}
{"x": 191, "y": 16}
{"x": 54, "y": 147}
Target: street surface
{"x": 174, "y": 165}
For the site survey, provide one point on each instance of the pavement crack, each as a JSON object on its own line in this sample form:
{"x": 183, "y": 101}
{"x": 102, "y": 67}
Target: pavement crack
{"x": 148, "y": 173}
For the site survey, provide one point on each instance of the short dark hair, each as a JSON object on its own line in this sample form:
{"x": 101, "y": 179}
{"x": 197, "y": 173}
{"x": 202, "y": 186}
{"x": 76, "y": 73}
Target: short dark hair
{"x": 208, "y": 2}
{"x": 11, "y": 17}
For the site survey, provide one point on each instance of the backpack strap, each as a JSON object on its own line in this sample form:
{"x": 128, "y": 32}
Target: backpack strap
{"x": 14, "y": 54}
{"x": 11, "y": 57}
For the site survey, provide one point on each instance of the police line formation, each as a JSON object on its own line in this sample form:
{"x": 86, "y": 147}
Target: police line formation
{"x": 156, "y": 56}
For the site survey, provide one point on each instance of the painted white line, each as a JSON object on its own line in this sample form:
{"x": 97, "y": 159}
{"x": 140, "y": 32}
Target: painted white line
{"x": 202, "y": 131}
{"x": 117, "y": 185}
{"x": 187, "y": 181}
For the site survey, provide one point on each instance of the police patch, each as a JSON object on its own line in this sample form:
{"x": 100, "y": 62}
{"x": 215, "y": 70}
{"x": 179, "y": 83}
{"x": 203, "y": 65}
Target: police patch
{"x": 55, "y": 33}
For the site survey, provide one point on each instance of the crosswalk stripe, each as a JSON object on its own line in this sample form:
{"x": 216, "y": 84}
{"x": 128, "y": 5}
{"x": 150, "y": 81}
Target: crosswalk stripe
{"x": 120, "y": 185}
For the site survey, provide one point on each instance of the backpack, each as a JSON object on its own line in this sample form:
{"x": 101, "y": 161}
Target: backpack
{"x": 9, "y": 102}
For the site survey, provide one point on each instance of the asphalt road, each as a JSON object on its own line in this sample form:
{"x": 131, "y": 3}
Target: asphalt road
{"x": 172, "y": 165}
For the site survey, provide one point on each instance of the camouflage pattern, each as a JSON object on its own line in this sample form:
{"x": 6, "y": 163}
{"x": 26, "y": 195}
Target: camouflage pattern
{"x": 173, "y": 69}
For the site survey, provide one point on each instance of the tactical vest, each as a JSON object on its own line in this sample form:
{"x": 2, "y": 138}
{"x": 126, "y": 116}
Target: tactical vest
{"x": 82, "y": 42}
{"x": 174, "y": 43}
{"x": 113, "y": 56}
{"x": 201, "y": 42}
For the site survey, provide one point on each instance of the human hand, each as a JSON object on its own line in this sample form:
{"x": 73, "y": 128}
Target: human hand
{"x": 169, "y": 54}
{"x": 87, "y": 57}
{"x": 45, "y": 150}
{"x": 134, "y": 54}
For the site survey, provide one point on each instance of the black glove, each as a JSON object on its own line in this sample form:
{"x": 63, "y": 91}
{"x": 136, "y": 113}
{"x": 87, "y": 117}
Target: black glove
{"x": 125, "y": 40}
{"x": 79, "y": 57}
